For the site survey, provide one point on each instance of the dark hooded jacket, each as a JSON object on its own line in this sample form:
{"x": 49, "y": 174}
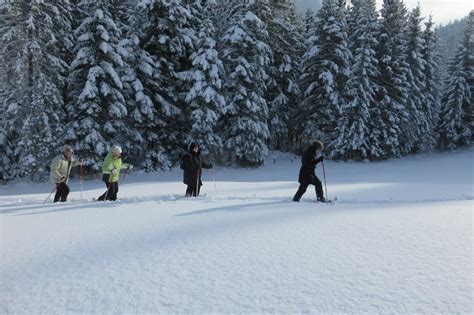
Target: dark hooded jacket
{"x": 308, "y": 164}
{"x": 192, "y": 165}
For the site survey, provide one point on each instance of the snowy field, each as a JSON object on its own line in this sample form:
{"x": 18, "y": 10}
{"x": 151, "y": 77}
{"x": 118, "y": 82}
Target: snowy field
{"x": 399, "y": 240}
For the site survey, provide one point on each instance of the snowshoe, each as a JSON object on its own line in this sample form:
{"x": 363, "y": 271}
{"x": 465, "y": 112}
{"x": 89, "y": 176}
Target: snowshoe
{"x": 324, "y": 200}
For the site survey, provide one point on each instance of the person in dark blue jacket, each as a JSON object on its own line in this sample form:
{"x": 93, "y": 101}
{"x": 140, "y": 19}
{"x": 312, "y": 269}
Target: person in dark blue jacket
{"x": 307, "y": 175}
{"x": 192, "y": 166}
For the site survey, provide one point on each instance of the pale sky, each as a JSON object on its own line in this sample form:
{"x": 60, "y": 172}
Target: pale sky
{"x": 443, "y": 11}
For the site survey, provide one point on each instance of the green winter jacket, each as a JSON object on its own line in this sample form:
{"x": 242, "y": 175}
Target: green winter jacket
{"x": 111, "y": 162}
{"x": 60, "y": 167}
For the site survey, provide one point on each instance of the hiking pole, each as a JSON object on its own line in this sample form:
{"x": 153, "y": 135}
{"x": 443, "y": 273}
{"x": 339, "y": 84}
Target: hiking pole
{"x": 82, "y": 176}
{"x": 324, "y": 176}
{"x": 107, "y": 191}
{"x": 108, "y": 187}
{"x": 197, "y": 184}
{"x": 124, "y": 176}
{"x": 52, "y": 191}
{"x": 214, "y": 179}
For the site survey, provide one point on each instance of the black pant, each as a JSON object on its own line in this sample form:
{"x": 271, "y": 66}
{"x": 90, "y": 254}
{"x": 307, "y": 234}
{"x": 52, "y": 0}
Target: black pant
{"x": 191, "y": 191}
{"x": 62, "y": 190}
{"x": 112, "y": 189}
{"x": 304, "y": 185}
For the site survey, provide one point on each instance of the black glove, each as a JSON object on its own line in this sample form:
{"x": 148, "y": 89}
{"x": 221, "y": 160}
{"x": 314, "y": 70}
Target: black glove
{"x": 321, "y": 158}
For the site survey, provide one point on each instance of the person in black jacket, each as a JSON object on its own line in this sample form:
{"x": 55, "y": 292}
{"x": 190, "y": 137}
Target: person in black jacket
{"x": 307, "y": 175}
{"x": 192, "y": 165}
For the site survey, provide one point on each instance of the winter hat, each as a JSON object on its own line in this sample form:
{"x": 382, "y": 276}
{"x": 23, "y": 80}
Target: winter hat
{"x": 318, "y": 145}
{"x": 116, "y": 149}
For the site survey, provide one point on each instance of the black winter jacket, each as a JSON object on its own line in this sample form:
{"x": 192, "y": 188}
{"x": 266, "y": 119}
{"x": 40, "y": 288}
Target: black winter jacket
{"x": 308, "y": 164}
{"x": 192, "y": 166}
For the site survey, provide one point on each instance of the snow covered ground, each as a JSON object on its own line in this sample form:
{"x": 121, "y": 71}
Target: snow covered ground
{"x": 399, "y": 240}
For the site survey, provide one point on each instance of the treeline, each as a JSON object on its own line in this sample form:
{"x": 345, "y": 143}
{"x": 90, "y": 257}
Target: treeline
{"x": 238, "y": 77}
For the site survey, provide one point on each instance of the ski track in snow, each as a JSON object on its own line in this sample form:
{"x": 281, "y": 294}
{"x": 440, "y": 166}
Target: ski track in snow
{"x": 386, "y": 246}
{"x": 10, "y": 206}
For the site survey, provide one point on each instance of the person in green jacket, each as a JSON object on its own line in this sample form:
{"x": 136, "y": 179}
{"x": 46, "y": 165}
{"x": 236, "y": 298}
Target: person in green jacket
{"x": 111, "y": 173}
{"x": 60, "y": 169}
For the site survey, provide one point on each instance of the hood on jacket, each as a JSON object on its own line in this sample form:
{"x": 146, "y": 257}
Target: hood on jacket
{"x": 192, "y": 146}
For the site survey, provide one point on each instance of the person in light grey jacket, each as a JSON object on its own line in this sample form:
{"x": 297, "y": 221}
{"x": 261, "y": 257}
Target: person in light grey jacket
{"x": 60, "y": 171}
